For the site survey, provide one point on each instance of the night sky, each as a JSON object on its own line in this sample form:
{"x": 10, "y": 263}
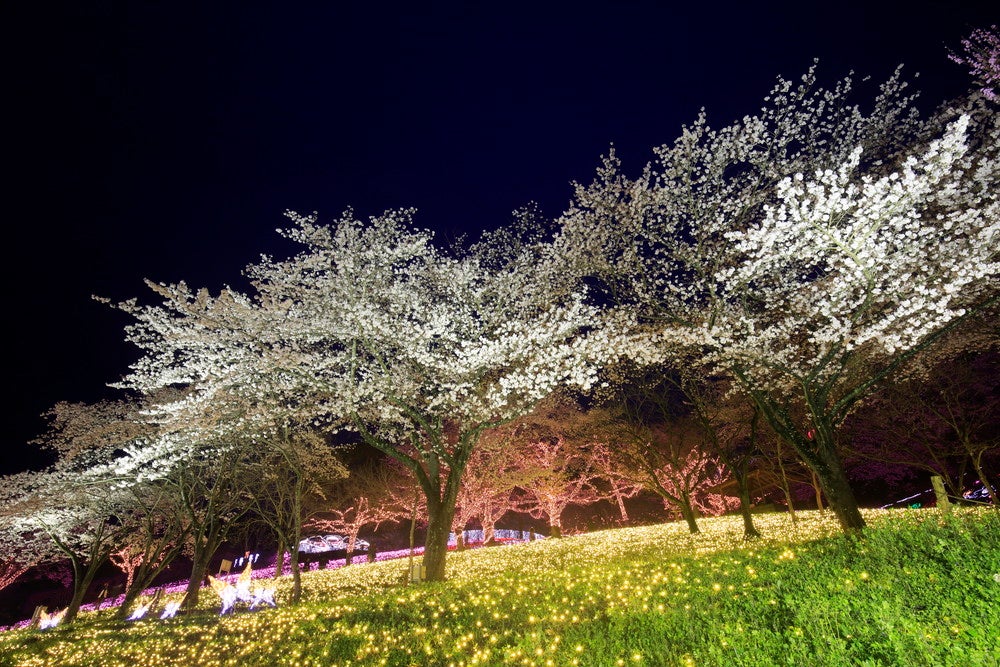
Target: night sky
{"x": 165, "y": 140}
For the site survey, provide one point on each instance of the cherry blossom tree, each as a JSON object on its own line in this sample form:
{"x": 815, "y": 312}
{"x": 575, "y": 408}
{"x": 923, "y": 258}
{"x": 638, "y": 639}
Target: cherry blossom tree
{"x": 810, "y": 252}
{"x": 981, "y": 53}
{"x": 292, "y": 467}
{"x": 155, "y": 533}
{"x": 372, "y": 328}
{"x": 77, "y": 512}
{"x": 495, "y": 469}
{"x": 11, "y": 569}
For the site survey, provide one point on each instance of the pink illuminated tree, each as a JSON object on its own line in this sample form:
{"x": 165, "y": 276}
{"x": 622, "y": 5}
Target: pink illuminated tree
{"x": 362, "y": 501}
{"x": 555, "y": 464}
{"x": 981, "y": 54}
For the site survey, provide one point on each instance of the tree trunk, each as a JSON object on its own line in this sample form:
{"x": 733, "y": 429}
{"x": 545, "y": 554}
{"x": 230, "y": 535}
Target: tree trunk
{"x": 80, "y": 589}
{"x": 199, "y": 568}
{"x": 293, "y": 558}
{"x": 785, "y": 487}
{"x": 749, "y": 530}
{"x": 439, "y": 518}
{"x": 279, "y": 562}
{"x": 687, "y": 511}
{"x": 818, "y": 492}
{"x": 621, "y": 506}
{"x": 833, "y": 480}
{"x": 977, "y": 465}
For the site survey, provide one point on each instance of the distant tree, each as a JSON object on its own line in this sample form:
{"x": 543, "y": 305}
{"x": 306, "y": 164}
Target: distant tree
{"x": 556, "y": 469}
{"x": 663, "y": 444}
{"x": 613, "y": 483}
{"x": 981, "y": 53}
{"x": 941, "y": 422}
{"x": 364, "y": 500}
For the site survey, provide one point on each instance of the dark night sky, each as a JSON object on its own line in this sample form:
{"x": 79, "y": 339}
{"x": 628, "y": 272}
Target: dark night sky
{"x": 164, "y": 140}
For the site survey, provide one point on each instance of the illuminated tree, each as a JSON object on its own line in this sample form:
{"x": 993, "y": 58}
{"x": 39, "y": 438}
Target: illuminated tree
{"x": 486, "y": 494}
{"x": 809, "y": 252}
{"x": 371, "y": 328}
{"x": 981, "y": 53}
{"x": 11, "y": 569}
{"x": 77, "y": 512}
{"x": 80, "y": 504}
{"x": 154, "y": 535}
{"x": 556, "y": 469}
{"x": 611, "y": 480}
{"x": 364, "y": 499}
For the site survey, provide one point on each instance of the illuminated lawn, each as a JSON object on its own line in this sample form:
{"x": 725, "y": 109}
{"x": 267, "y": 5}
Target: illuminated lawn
{"x": 916, "y": 591}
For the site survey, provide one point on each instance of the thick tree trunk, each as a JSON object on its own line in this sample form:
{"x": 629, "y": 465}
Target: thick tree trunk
{"x": 198, "y": 570}
{"x": 749, "y": 530}
{"x": 833, "y": 480}
{"x": 818, "y": 450}
{"x": 439, "y": 518}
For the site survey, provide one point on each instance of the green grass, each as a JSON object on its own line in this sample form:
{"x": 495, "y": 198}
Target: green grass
{"x": 919, "y": 589}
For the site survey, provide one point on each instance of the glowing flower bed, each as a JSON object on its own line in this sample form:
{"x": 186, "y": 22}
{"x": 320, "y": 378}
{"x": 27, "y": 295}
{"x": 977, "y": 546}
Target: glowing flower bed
{"x": 917, "y": 590}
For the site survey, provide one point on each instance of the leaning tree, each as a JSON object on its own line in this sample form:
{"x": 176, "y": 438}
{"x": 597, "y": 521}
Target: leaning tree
{"x": 809, "y": 252}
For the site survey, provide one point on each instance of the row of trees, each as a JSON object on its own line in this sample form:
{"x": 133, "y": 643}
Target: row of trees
{"x": 800, "y": 258}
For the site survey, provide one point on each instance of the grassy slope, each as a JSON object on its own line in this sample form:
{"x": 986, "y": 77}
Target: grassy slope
{"x": 917, "y": 591}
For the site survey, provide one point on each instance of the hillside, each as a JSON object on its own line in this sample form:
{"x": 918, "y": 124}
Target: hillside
{"x": 918, "y": 590}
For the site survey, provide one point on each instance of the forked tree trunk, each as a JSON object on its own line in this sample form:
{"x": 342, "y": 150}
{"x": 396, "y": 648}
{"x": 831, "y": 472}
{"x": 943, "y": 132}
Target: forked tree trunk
{"x": 818, "y": 450}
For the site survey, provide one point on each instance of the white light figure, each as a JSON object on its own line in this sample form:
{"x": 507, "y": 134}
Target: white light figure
{"x": 46, "y": 621}
{"x": 263, "y": 596}
{"x": 139, "y": 612}
{"x": 243, "y": 593}
{"x": 229, "y": 597}
{"x": 226, "y": 591}
{"x": 171, "y": 609}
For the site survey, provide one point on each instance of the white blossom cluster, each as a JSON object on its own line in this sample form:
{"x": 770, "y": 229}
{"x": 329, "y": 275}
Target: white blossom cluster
{"x": 797, "y": 245}
{"x": 370, "y": 323}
